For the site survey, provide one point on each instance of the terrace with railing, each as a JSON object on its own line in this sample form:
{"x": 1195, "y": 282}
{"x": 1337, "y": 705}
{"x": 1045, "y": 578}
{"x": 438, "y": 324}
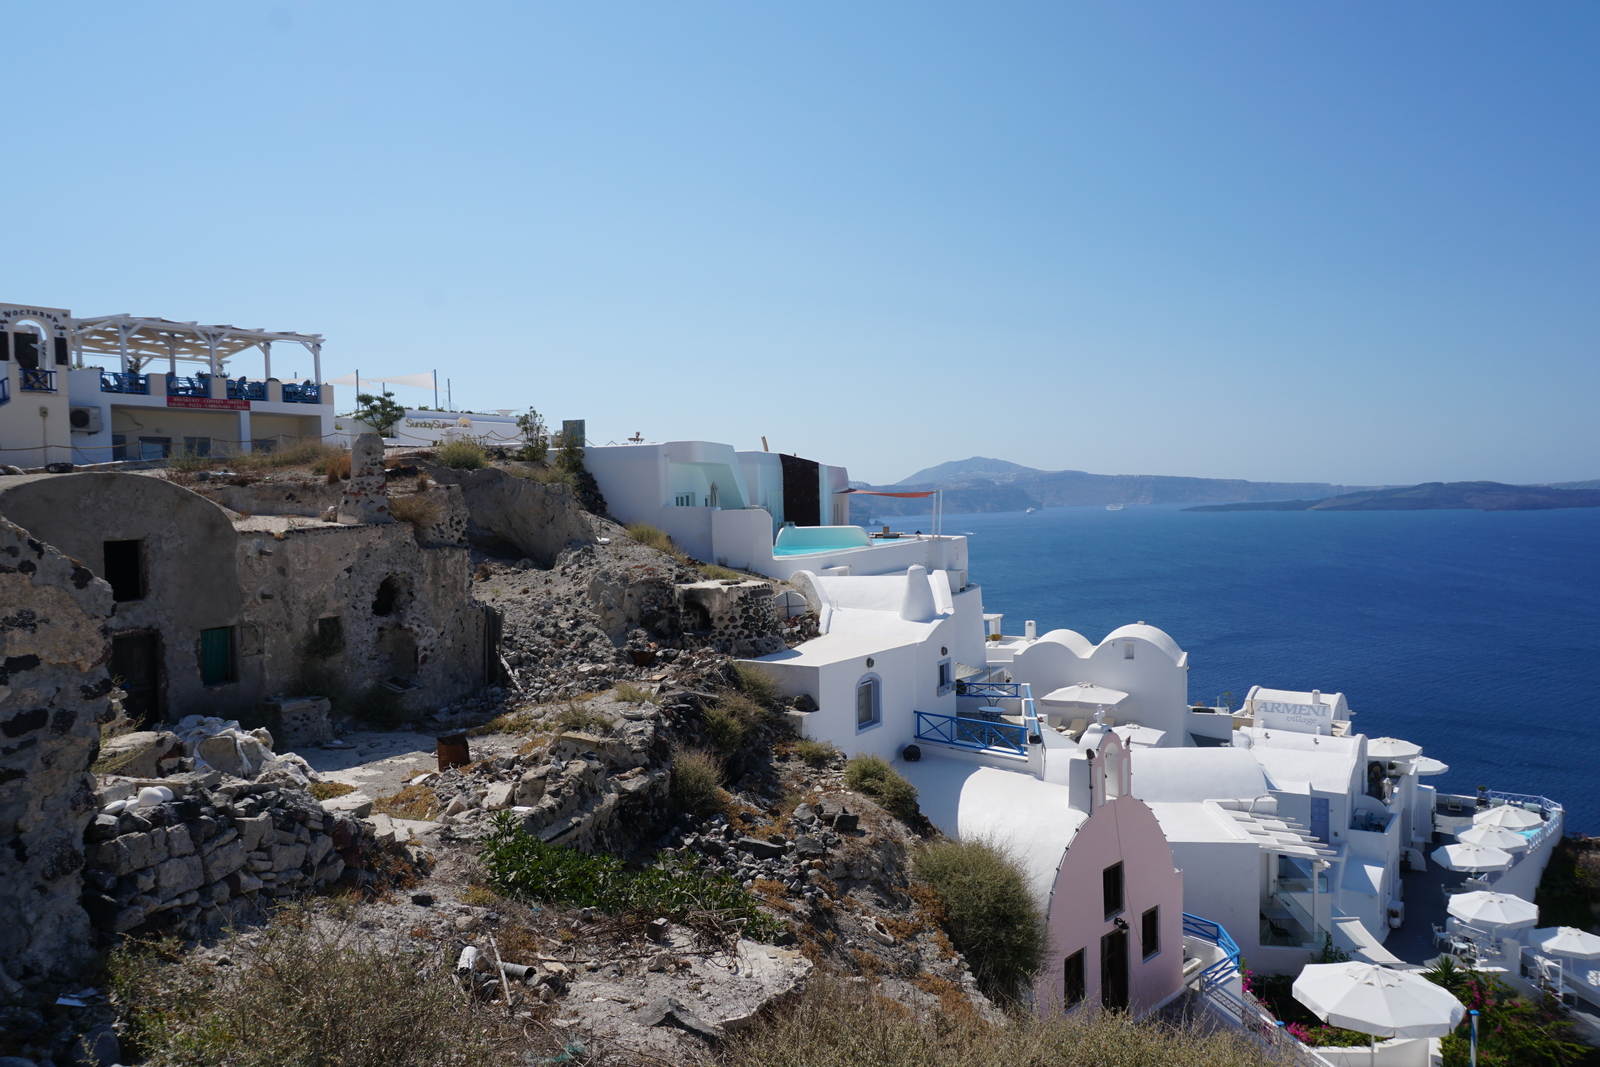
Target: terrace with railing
{"x": 986, "y": 728}
{"x": 128, "y": 382}
{"x": 199, "y": 385}
{"x": 244, "y": 389}
{"x": 301, "y": 394}
{"x": 38, "y": 380}
{"x": 1454, "y": 811}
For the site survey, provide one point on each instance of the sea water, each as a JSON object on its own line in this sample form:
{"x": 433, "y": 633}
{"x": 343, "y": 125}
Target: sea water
{"x": 1474, "y": 634}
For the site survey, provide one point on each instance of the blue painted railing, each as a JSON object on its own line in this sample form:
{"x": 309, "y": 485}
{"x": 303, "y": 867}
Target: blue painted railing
{"x": 246, "y": 390}
{"x": 993, "y": 690}
{"x": 1213, "y": 933}
{"x": 199, "y": 385}
{"x": 972, "y": 733}
{"x": 301, "y": 394}
{"x": 38, "y": 381}
{"x": 124, "y": 382}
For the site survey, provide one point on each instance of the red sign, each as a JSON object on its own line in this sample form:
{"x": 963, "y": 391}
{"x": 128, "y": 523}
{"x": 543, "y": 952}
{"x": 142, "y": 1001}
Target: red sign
{"x": 209, "y": 403}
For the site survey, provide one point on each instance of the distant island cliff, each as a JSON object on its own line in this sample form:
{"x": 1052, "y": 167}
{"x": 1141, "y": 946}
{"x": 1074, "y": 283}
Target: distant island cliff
{"x": 977, "y": 485}
{"x": 1431, "y": 496}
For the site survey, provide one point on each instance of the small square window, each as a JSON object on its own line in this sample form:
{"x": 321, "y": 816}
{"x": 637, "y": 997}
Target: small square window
{"x": 1111, "y": 887}
{"x": 217, "y": 665}
{"x": 124, "y": 569}
{"x": 1074, "y": 987}
{"x": 1150, "y": 932}
{"x": 1127, "y": 650}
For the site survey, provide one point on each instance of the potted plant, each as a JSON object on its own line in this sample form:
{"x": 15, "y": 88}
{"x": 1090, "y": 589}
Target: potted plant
{"x": 1483, "y": 796}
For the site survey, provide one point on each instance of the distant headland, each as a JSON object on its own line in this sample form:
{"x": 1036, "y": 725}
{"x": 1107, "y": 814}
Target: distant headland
{"x": 980, "y": 484}
{"x": 1431, "y": 496}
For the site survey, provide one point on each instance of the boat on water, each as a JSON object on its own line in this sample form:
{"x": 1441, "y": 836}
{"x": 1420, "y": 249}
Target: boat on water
{"x": 1114, "y": 507}
{"x": 1030, "y": 511}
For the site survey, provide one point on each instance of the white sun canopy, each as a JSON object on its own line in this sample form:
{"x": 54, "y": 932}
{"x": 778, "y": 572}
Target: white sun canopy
{"x": 137, "y": 340}
{"x": 1085, "y": 694}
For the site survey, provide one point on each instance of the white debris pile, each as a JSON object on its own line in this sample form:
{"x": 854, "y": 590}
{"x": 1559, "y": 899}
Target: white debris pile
{"x": 226, "y": 746}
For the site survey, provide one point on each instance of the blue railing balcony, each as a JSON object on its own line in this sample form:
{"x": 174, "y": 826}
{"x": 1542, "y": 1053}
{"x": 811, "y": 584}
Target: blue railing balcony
{"x": 994, "y": 690}
{"x": 972, "y": 733}
{"x": 246, "y": 390}
{"x": 1213, "y": 933}
{"x": 199, "y": 385}
{"x": 301, "y": 394}
{"x": 38, "y": 380}
{"x": 124, "y": 382}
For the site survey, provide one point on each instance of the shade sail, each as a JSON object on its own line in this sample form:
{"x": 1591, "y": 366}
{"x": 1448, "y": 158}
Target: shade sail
{"x": 1472, "y": 858}
{"x": 1085, "y": 694}
{"x": 1493, "y": 837}
{"x": 1567, "y": 941}
{"x": 1375, "y": 1000}
{"x": 875, "y": 492}
{"x": 1485, "y": 908}
{"x": 1392, "y": 748}
{"x": 1512, "y": 818}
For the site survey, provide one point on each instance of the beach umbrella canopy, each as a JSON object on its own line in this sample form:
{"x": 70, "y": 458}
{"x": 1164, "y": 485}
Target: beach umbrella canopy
{"x": 1567, "y": 941}
{"x": 1487, "y": 908}
{"x": 1426, "y": 766}
{"x": 1509, "y": 817}
{"x": 1472, "y": 858}
{"x": 1392, "y": 748}
{"x": 1490, "y": 836}
{"x": 1375, "y": 1000}
{"x": 1085, "y": 694}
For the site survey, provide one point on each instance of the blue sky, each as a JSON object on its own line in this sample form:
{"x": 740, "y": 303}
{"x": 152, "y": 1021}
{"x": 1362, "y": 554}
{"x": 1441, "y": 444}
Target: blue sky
{"x": 1352, "y": 242}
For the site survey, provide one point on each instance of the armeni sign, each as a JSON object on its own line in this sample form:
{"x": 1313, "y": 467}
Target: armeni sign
{"x": 208, "y": 403}
{"x": 1302, "y": 718}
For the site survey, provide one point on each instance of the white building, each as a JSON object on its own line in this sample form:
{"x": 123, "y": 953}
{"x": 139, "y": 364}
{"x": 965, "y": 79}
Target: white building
{"x": 762, "y": 511}
{"x": 160, "y": 387}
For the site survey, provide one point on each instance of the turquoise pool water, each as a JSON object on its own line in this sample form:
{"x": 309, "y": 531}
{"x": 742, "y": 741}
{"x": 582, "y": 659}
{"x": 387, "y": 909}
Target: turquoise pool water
{"x": 779, "y": 551}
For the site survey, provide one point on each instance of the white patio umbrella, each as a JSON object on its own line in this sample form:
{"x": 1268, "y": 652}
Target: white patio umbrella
{"x": 1375, "y": 1000}
{"x": 1472, "y": 858}
{"x": 1392, "y": 748}
{"x": 1085, "y": 694}
{"x": 1512, "y": 818}
{"x": 1487, "y": 908}
{"x": 1426, "y": 766}
{"x": 1493, "y": 837}
{"x": 1567, "y": 941}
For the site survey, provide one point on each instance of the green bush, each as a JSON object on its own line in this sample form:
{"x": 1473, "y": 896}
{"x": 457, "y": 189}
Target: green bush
{"x": 522, "y": 867}
{"x": 730, "y": 720}
{"x": 1512, "y": 1031}
{"x": 835, "y": 1023}
{"x": 463, "y": 454}
{"x": 815, "y": 753}
{"x": 875, "y": 778}
{"x": 304, "y": 994}
{"x": 696, "y": 781}
{"x": 989, "y": 912}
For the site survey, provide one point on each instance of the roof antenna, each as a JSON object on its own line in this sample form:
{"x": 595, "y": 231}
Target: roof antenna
{"x": 764, "y": 447}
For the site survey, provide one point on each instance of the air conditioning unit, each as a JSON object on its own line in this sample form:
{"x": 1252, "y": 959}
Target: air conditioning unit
{"x": 84, "y": 420}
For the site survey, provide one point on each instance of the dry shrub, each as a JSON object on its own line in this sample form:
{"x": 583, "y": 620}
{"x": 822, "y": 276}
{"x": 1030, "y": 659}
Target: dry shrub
{"x": 545, "y": 475}
{"x": 309, "y": 452}
{"x": 629, "y": 693}
{"x": 463, "y": 455}
{"x": 756, "y": 684}
{"x": 420, "y": 509}
{"x": 721, "y": 574}
{"x": 815, "y": 753}
{"x": 697, "y": 781}
{"x": 872, "y": 776}
{"x": 329, "y": 790}
{"x": 990, "y": 914}
{"x": 337, "y": 467}
{"x": 408, "y": 802}
{"x": 308, "y": 994}
{"x": 843, "y": 1024}
{"x": 656, "y": 538}
{"x": 729, "y": 721}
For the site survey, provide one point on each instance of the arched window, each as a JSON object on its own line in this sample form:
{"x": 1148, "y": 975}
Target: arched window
{"x": 869, "y": 702}
{"x": 1111, "y": 768}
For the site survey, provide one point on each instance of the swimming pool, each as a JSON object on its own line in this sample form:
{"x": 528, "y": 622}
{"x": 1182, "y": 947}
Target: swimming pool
{"x": 812, "y": 540}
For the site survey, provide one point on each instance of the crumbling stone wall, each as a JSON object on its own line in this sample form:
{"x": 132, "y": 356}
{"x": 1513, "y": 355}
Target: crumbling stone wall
{"x": 404, "y": 610}
{"x": 517, "y": 517}
{"x": 208, "y": 855}
{"x": 53, "y": 686}
{"x": 737, "y": 618}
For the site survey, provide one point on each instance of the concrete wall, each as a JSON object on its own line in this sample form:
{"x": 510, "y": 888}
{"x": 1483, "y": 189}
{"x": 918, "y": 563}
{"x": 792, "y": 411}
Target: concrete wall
{"x": 53, "y": 688}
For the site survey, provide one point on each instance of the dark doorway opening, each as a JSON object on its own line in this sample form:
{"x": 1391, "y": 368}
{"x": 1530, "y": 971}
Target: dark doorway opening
{"x": 802, "y": 490}
{"x": 136, "y": 666}
{"x": 1114, "y": 971}
{"x": 387, "y": 597}
{"x": 124, "y": 569}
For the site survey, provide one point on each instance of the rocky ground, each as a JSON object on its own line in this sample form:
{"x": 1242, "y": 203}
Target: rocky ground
{"x": 603, "y": 680}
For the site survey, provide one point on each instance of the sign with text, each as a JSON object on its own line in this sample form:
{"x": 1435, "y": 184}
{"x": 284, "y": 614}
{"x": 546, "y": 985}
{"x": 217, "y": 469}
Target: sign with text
{"x": 208, "y": 403}
{"x": 1301, "y": 718}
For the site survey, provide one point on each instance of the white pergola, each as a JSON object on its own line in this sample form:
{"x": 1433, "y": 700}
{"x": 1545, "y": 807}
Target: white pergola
{"x": 132, "y": 337}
